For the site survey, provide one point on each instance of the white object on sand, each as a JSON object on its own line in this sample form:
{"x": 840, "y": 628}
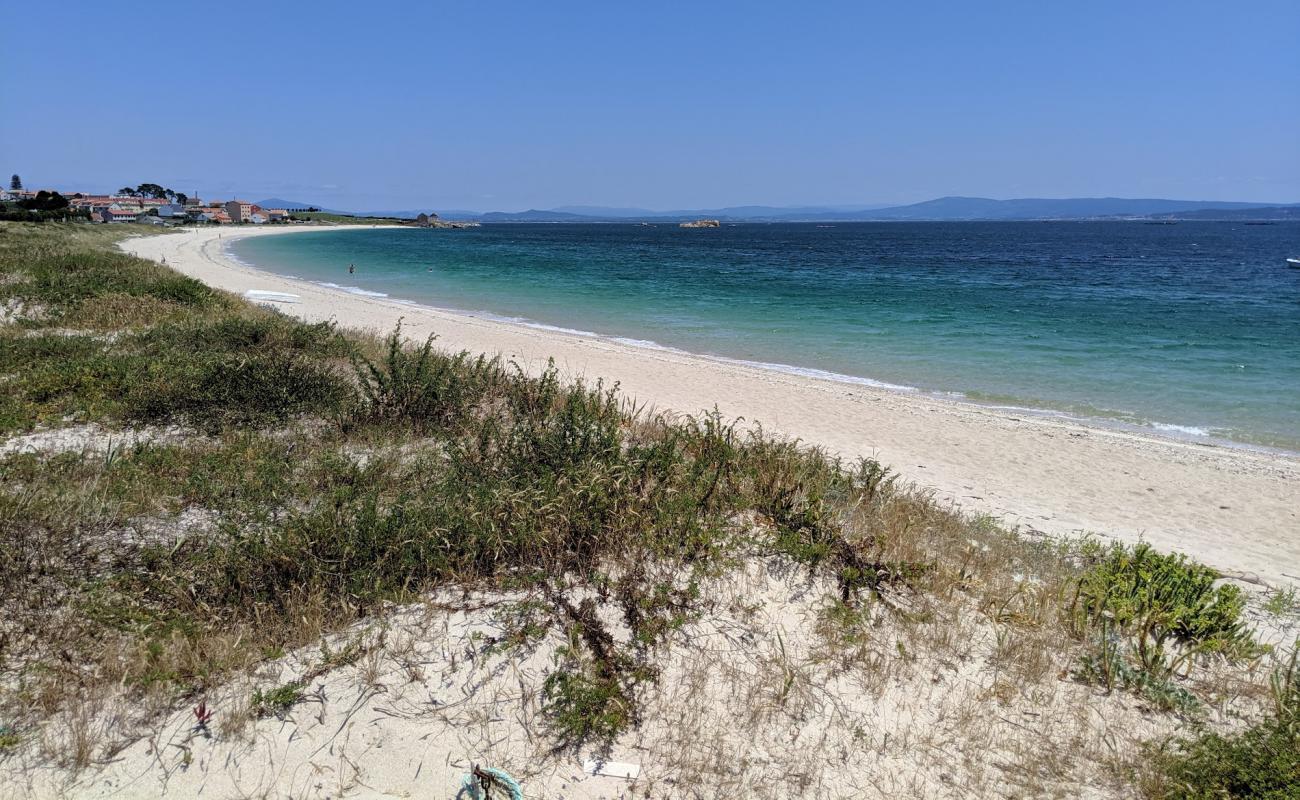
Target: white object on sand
{"x": 270, "y": 297}
{"x": 612, "y": 769}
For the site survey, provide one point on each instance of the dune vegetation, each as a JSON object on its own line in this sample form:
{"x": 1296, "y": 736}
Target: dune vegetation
{"x": 195, "y": 488}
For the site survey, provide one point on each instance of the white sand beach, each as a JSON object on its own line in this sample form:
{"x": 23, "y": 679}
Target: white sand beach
{"x": 1235, "y": 509}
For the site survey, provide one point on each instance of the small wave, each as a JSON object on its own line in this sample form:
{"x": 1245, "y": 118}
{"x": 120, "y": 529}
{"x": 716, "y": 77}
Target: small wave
{"x": 1189, "y": 430}
{"x": 527, "y": 323}
{"x": 357, "y": 290}
{"x": 820, "y": 374}
{"x": 643, "y": 343}
{"x": 228, "y": 252}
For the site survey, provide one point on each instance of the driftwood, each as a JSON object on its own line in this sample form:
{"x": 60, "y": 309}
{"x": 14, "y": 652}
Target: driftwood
{"x": 1244, "y": 577}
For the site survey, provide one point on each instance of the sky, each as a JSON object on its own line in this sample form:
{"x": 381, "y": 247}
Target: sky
{"x": 509, "y": 106}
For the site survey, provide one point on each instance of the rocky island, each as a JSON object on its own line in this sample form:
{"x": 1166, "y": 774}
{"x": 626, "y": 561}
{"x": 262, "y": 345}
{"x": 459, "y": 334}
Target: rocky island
{"x": 701, "y": 223}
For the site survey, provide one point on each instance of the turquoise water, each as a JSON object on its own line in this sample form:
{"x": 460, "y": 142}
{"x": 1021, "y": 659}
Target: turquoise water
{"x": 1190, "y": 329}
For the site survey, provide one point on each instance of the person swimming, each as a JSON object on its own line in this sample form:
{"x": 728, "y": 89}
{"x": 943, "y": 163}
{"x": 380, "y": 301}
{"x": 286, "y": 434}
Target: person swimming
{"x": 352, "y": 268}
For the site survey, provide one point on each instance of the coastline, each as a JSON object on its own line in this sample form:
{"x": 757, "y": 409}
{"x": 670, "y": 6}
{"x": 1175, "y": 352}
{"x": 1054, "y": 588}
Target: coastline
{"x": 1233, "y": 508}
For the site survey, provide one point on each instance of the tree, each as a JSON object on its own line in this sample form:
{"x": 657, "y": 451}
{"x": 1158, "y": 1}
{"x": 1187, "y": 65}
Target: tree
{"x": 126, "y": 191}
{"x": 15, "y": 183}
{"x": 45, "y": 201}
{"x": 151, "y": 190}
{"x": 182, "y": 198}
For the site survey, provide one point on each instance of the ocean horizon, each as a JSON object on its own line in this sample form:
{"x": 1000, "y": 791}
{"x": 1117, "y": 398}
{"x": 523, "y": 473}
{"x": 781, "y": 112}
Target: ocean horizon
{"x": 1185, "y": 330}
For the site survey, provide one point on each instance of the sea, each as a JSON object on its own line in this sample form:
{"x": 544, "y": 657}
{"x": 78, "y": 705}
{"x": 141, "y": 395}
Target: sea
{"x": 1190, "y": 330}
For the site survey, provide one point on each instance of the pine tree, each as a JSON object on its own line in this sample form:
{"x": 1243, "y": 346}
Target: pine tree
{"x": 15, "y": 183}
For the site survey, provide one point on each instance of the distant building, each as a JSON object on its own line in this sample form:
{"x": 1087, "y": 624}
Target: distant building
{"x": 116, "y": 213}
{"x": 214, "y": 214}
{"x": 239, "y": 210}
{"x": 171, "y": 210}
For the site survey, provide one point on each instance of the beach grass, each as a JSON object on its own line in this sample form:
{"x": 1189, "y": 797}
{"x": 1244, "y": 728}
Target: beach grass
{"x": 273, "y": 482}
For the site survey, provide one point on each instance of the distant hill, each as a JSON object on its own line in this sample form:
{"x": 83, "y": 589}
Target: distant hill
{"x": 980, "y": 208}
{"x": 1266, "y": 214}
{"x": 941, "y": 209}
{"x": 610, "y": 213}
{"x": 288, "y": 205}
{"x": 535, "y": 215}
{"x": 951, "y": 209}
{"x": 747, "y": 213}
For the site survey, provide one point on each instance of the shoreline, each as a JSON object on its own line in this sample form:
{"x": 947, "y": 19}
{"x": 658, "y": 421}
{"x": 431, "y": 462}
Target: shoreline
{"x": 1230, "y": 506}
{"x": 1162, "y": 429}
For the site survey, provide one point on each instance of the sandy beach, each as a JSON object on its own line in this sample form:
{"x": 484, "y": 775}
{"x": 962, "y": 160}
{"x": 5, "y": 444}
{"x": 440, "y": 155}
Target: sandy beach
{"x": 1235, "y": 509}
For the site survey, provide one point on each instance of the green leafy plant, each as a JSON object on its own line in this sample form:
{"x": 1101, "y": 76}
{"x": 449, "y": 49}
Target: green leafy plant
{"x": 582, "y": 707}
{"x": 1110, "y": 665}
{"x": 276, "y": 701}
{"x": 1168, "y": 610}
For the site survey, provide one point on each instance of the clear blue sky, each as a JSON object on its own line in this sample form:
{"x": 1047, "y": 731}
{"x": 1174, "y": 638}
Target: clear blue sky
{"x": 515, "y": 105}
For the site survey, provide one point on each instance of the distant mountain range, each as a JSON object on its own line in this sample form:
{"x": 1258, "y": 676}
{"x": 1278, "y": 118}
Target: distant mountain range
{"x": 942, "y": 209}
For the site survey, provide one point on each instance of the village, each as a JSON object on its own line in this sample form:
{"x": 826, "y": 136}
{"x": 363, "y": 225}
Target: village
{"x": 147, "y": 204}
{"x": 152, "y": 204}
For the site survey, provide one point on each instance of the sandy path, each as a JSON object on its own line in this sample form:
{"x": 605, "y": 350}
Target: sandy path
{"x": 1238, "y": 510}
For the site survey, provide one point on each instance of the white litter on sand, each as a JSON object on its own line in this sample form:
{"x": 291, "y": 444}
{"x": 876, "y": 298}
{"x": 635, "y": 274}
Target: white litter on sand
{"x": 612, "y": 769}
{"x": 259, "y": 295}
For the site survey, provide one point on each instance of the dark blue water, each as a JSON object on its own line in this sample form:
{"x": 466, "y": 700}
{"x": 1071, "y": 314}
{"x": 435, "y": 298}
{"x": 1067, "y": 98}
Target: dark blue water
{"x": 1191, "y": 328}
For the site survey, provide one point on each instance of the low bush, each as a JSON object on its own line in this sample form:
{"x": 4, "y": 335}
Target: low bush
{"x": 1262, "y": 762}
{"x": 69, "y": 279}
{"x": 277, "y": 701}
{"x": 1168, "y": 611}
{"x": 423, "y": 388}
{"x": 214, "y": 391}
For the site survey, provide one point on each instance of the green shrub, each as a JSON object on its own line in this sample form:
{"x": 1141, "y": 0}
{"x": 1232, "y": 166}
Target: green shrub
{"x": 276, "y": 701}
{"x": 9, "y": 739}
{"x": 243, "y": 333}
{"x": 212, "y": 391}
{"x": 583, "y": 708}
{"x": 73, "y": 278}
{"x": 421, "y": 387}
{"x": 1167, "y": 609}
{"x": 1262, "y": 762}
